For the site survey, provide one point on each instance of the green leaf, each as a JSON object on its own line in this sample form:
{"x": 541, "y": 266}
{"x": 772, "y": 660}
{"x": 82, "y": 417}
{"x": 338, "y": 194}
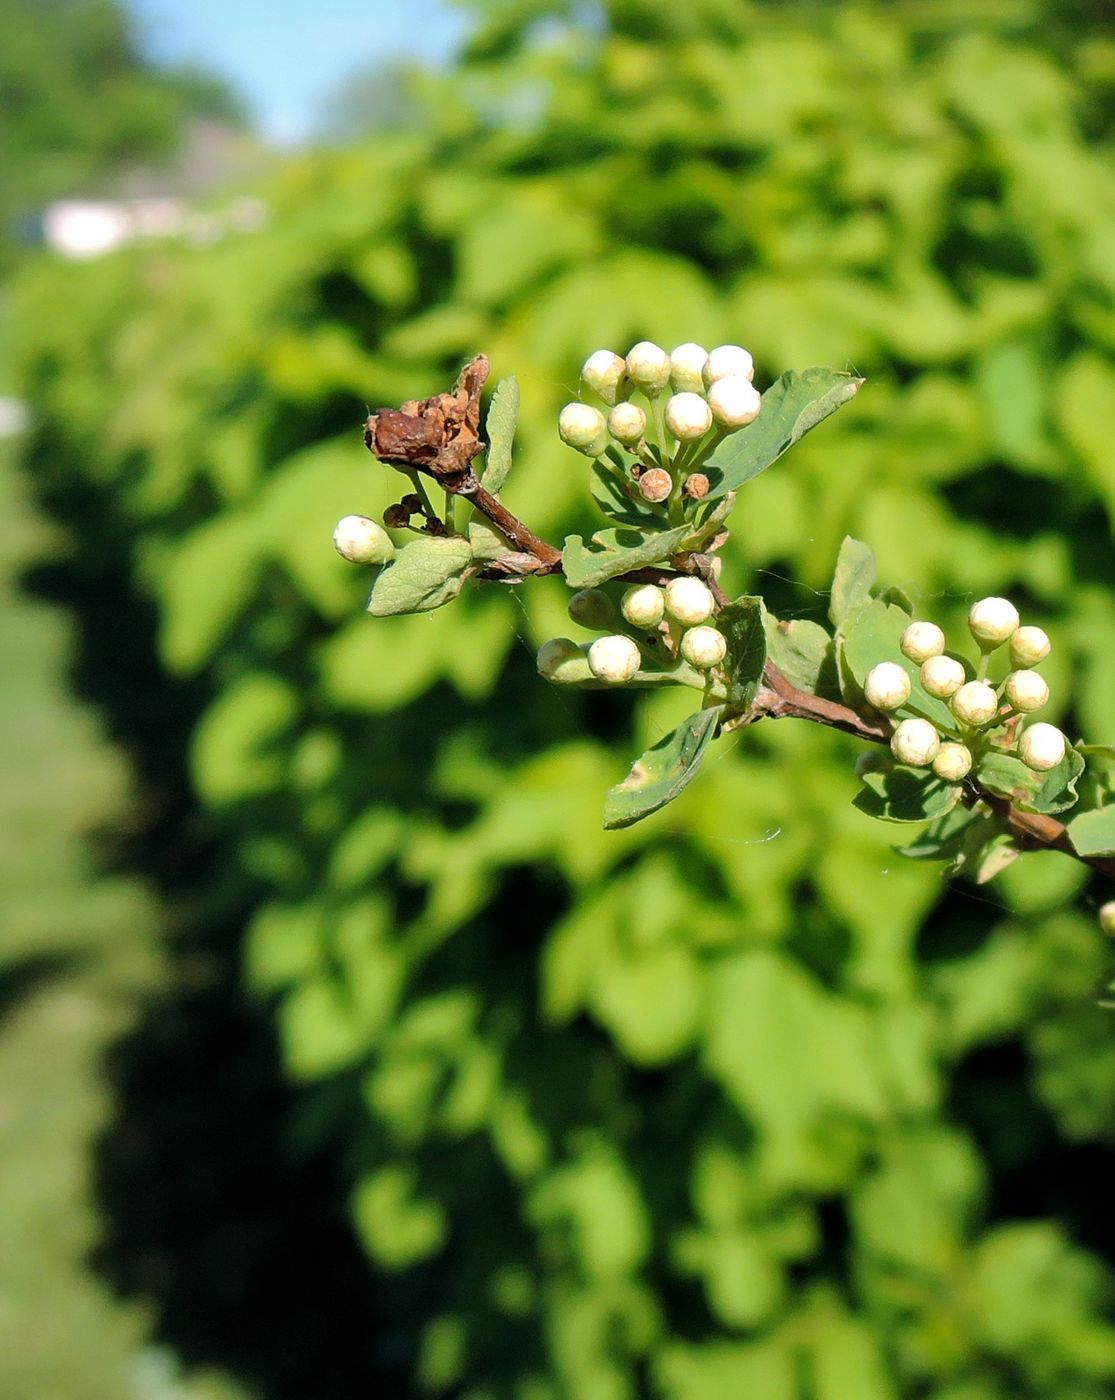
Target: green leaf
{"x": 619, "y": 551}
{"x": 791, "y": 406}
{"x": 1101, "y": 751}
{"x": 609, "y": 493}
{"x": 903, "y": 794}
{"x": 503, "y": 416}
{"x": 742, "y": 624}
{"x": 945, "y": 837}
{"x": 1050, "y": 792}
{"x": 803, "y": 651}
{"x": 871, "y": 634}
{"x": 1093, "y": 833}
{"x": 424, "y": 575}
{"x": 662, "y": 772}
{"x": 853, "y": 581}
{"x": 486, "y": 542}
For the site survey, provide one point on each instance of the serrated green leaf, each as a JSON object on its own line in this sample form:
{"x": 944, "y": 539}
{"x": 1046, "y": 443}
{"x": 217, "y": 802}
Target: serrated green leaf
{"x": 945, "y": 837}
{"x": 424, "y": 575}
{"x": 1093, "y": 833}
{"x": 902, "y": 794}
{"x": 792, "y": 405}
{"x": 618, "y": 552}
{"x": 662, "y": 772}
{"x": 742, "y": 624}
{"x": 617, "y": 504}
{"x": 853, "y": 580}
{"x": 871, "y": 634}
{"x": 803, "y": 651}
{"x": 1050, "y": 792}
{"x": 503, "y": 417}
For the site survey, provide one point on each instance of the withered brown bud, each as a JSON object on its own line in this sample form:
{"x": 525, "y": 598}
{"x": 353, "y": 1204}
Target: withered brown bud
{"x": 397, "y": 517}
{"x": 655, "y": 485}
{"x": 696, "y": 486}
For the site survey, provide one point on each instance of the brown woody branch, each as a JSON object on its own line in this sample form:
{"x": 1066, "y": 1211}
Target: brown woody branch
{"x": 440, "y": 437}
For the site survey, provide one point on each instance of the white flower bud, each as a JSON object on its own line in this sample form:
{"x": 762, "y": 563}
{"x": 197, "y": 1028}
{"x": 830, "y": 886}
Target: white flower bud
{"x": 687, "y": 367}
{"x": 942, "y": 676}
{"x": 688, "y": 416}
{"x": 562, "y": 661}
{"x": 592, "y": 608}
{"x": 1028, "y": 646}
{"x": 689, "y": 600}
{"x": 602, "y": 372}
{"x": 915, "y": 742}
{"x": 887, "y": 686}
{"x": 975, "y": 703}
{"x": 580, "y": 425}
{"x": 648, "y": 366}
{"x": 921, "y": 640}
{"x": 627, "y": 423}
{"x": 655, "y": 485}
{"x": 728, "y": 360}
{"x": 992, "y": 620}
{"x": 953, "y": 762}
{"x": 1041, "y": 747}
{"x": 362, "y": 541}
{"x": 734, "y": 401}
{"x": 613, "y": 659}
{"x": 704, "y": 647}
{"x": 1107, "y": 918}
{"x": 643, "y": 605}
{"x": 1026, "y": 691}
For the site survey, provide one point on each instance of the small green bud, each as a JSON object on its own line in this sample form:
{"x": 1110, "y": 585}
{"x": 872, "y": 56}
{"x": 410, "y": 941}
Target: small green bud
{"x": 689, "y": 600}
{"x": 1107, "y": 918}
{"x": 562, "y": 661}
{"x": 580, "y": 426}
{"x": 614, "y": 659}
{"x": 643, "y": 605}
{"x": 1041, "y": 747}
{"x": 734, "y": 401}
{"x": 362, "y": 541}
{"x": 991, "y": 621}
{"x": 704, "y": 647}
{"x": 953, "y": 762}
{"x": 603, "y": 372}
{"x": 592, "y": 608}
{"x": 887, "y": 686}
{"x": 921, "y": 640}
{"x": 975, "y": 704}
{"x": 915, "y": 742}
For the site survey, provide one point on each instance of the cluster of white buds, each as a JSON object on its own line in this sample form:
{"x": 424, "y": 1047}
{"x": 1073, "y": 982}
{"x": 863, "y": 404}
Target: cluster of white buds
{"x": 977, "y": 706}
{"x": 674, "y": 621}
{"x": 711, "y": 390}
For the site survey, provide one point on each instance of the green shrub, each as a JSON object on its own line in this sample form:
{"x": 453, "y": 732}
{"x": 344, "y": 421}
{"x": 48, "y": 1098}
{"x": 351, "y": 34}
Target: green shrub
{"x": 713, "y": 1105}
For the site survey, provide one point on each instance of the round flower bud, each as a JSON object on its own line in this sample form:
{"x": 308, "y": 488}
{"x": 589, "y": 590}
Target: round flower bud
{"x": 953, "y": 762}
{"x": 602, "y": 372}
{"x": 627, "y": 423}
{"x": 592, "y": 608}
{"x": 580, "y": 425}
{"x": 643, "y": 605}
{"x": 688, "y": 416}
{"x": 655, "y": 485}
{"x": 887, "y": 686}
{"x": 687, "y": 367}
{"x": 613, "y": 659}
{"x": 728, "y": 360}
{"x": 696, "y": 486}
{"x": 734, "y": 401}
{"x": 562, "y": 661}
{"x": 1028, "y": 646}
{"x": 1026, "y": 691}
{"x": 648, "y": 367}
{"x": 942, "y": 676}
{"x": 921, "y": 640}
{"x": 975, "y": 703}
{"x": 1041, "y": 747}
{"x": 689, "y": 600}
{"x": 704, "y": 647}
{"x": 1107, "y": 918}
{"x": 992, "y": 620}
{"x": 915, "y": 742}
{"x": 362, "y": 541}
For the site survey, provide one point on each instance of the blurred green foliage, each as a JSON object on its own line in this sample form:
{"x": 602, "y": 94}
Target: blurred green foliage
{"x": 734, "y": 1102}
